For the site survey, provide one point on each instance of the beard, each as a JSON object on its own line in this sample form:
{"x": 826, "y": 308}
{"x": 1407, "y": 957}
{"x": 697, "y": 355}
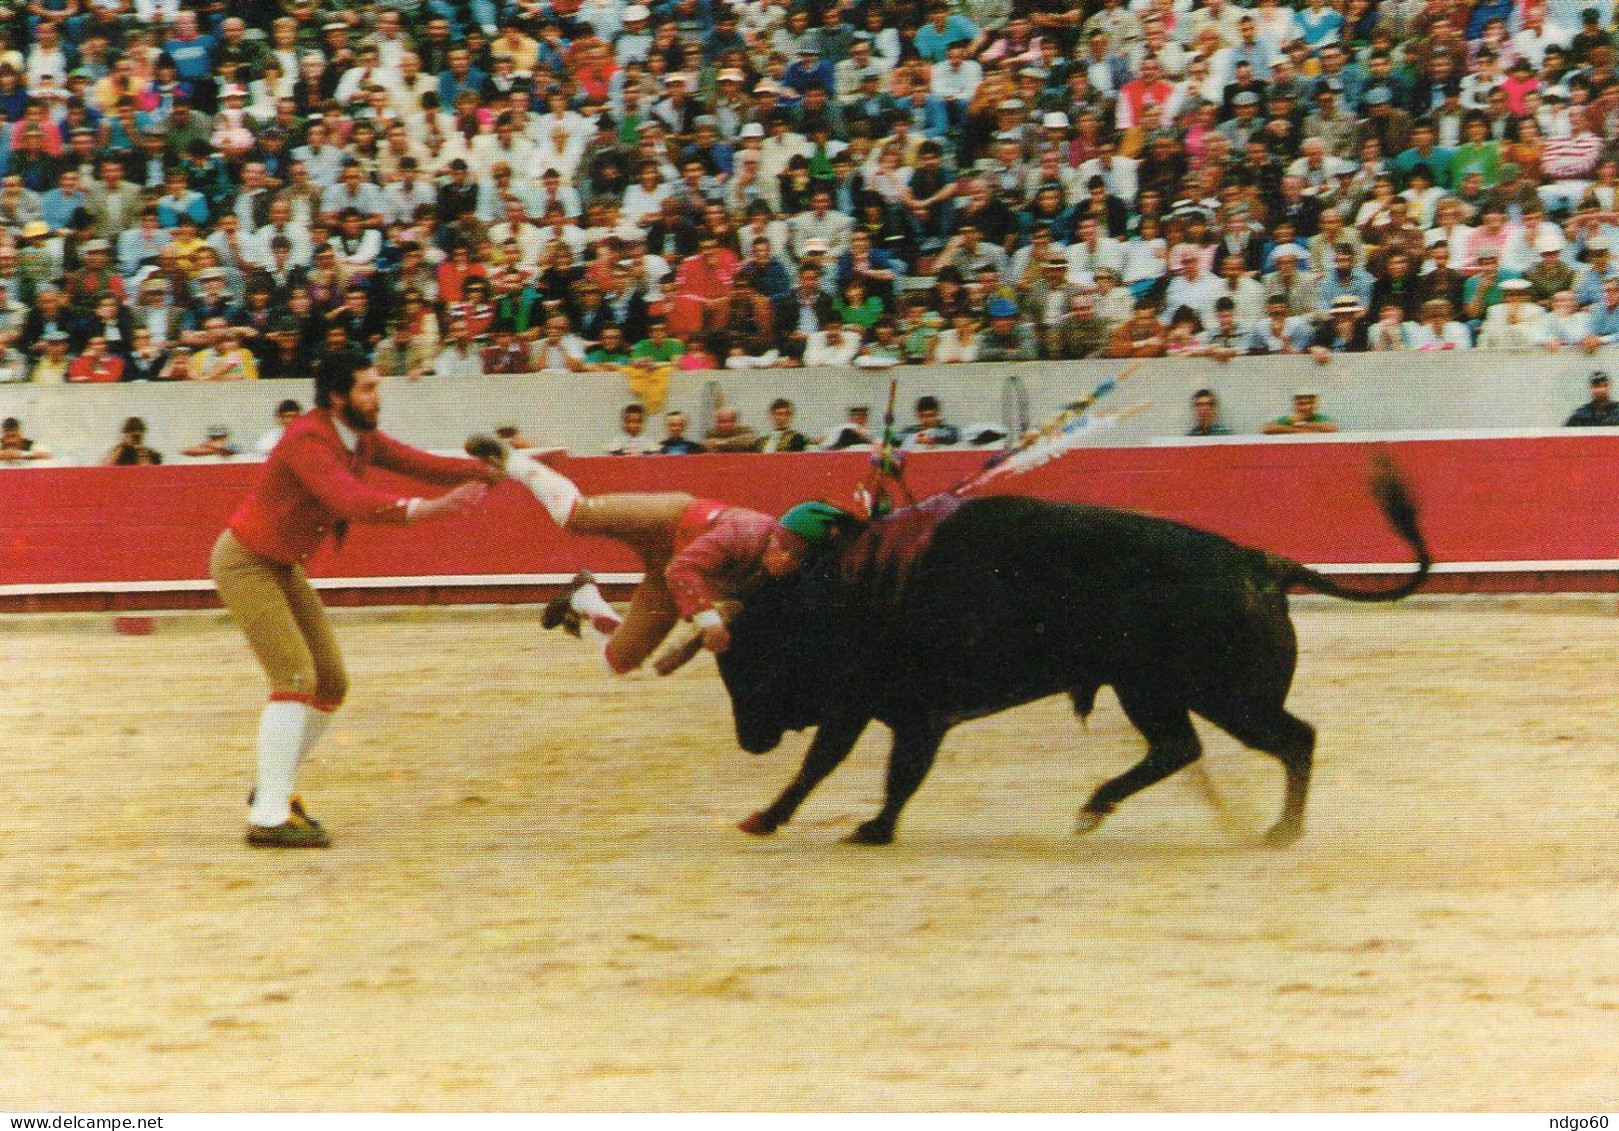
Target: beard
{"x": 358, "y": 420}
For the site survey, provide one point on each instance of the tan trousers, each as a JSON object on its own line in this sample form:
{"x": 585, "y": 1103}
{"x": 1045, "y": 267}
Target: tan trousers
{"x": 285, "y": 624}
{"x": 645, "y": 523}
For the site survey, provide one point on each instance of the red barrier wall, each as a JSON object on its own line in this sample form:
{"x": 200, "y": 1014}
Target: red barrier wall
{"x": 1504, "y": 514}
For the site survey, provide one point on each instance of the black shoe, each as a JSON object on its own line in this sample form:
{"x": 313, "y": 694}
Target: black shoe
{"x": 295, "y": 803}
{"x": 296, "y": 831}
{"x": 559, "y": 611}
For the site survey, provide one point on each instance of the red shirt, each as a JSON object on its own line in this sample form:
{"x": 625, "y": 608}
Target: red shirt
{"x": 86, "y": 368}
{"x": 717, "y": 554}
{"x": 311, "y": 481}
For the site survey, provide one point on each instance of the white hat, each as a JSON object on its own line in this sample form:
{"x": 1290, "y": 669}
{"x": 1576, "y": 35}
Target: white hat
{"x": 816, "y": 245}
{"x": 1597, "y": 243}
{"x": 1549, "y": 244}
{"x": 1515, "y": 285}
{"x": 752, "y": 129}
{"x": 731, "y": 74}
{"x": 1288, "y": 251}
{"x": 636, "y": 12}
{"x": 1055, "y": 120}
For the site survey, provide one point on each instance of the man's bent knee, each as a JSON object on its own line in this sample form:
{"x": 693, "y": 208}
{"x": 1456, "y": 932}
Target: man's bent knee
{"x": 622, "y": 661}
{"x": 330, "y": 691}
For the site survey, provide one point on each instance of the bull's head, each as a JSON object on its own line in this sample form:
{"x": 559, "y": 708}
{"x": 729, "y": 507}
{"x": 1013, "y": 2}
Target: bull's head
{"x": 757, "y": 672}
{"x": 782, "y": 649}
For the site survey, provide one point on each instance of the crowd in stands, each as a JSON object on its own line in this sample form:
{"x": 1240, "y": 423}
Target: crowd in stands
{"x": 202, "y": 191}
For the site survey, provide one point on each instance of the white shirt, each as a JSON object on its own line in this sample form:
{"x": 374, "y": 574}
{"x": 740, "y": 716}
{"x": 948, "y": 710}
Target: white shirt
{"x": 819, "y": 351}
{"x": 956, "y": 82}
{"x": 1454, "y": 336}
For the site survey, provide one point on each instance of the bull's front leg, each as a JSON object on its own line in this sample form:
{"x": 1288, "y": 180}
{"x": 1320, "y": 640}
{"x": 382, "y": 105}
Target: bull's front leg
{"x": 915, "y": 745}
{"x": 833, "y": 741}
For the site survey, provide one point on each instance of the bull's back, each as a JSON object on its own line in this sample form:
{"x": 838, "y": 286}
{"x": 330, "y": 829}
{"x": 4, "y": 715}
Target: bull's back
{"x": 1019, "y": 598}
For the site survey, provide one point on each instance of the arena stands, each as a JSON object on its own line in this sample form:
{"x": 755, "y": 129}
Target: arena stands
{"x": 197, "y": 192}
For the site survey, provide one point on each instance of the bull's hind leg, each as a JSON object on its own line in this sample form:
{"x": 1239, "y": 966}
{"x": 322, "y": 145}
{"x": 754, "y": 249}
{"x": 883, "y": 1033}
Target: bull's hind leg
{"x": 909, "y": 761}
{"x": 833, "y": 741}
{"x": 1172, "y": 745}
{"x": 1291, "y": 741}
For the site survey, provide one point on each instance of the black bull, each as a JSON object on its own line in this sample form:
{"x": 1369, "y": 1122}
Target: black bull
{"x": 1015, "y": 599}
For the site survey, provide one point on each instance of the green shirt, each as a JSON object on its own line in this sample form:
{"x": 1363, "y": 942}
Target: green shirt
{"x": 670, "y": 352}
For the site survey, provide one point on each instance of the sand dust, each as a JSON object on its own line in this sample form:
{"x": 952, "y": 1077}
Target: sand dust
{"x": 537, "y": 898}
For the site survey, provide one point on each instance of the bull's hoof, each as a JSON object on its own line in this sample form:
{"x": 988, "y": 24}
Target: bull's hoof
{"x": 870, "y": 833}
{"x": 758, "y": 825}
{"x": 1284, "y": 833}
{"x": 1087, "y": 820}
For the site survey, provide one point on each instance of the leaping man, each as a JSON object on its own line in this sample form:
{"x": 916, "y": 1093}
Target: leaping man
{"x": 697, "y": 554}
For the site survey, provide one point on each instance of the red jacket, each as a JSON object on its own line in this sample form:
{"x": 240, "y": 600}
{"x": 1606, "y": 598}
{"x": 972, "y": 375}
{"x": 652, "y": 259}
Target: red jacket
{"x": 717, "y": 554}
{"x": 311, "y": 482}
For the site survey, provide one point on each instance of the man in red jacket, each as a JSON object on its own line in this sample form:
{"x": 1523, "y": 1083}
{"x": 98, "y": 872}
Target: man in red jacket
{"x": 696, "y": 553}
{"x": 314, "y": 484}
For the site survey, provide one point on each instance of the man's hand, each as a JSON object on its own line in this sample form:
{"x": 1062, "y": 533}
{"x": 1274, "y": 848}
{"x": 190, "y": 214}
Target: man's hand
{"x": 458, "y": 501}
{"x": 716, "y": 638}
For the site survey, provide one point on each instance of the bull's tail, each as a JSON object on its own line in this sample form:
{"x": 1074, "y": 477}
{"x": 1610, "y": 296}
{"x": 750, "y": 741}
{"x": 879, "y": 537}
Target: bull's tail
{"x": 1394, "y": 499}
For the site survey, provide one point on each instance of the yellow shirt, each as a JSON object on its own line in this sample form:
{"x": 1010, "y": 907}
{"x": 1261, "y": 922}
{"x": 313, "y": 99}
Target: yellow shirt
{"x": 231, "y": 364}
{"x": 47, "y": 372}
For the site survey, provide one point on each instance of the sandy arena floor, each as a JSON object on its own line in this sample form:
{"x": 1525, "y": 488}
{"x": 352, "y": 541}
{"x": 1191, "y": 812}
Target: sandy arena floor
{"x": 537, "y": 899}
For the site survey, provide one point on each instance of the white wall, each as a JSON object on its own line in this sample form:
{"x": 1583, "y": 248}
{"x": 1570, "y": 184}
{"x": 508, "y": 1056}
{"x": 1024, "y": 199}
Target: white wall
{"x": 1366, "y": 393}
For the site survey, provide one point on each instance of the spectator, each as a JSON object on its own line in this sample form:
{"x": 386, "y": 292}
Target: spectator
{"x": 854, "y": 432}
{"x": 674, "y": 442}
{"x": 658, "y": 347}
{"x": 131, "y": 449}
{"x": 884, "y": 350}
{"x": 1514, "y": 323}
{"x": 460, "y": 356}
{"x": 729, "y": 434}
{"x": 1081, "y": 333}
{"x": 285, "y": 413}
{"x": 1008, "y": 337}
{"x": 225, "y": 358}
{"x": 1343, "y": 331}
{"x": 217, "y": 446}
{"x": 52, "y": 366}
{"x": 961, "y": 342}
{"x": 929, "y": 429}
{"x": 1566, "y": 326}
{"x": 1206, "y": 415}
{"x": 1437, "y": 331}
{"x": 506, "y": 353}
{"x": 1305, "y": 417}
{"x": 1225, "y": 339}
{"x": 632, "y": 439}
{"x": 782, "y": 437}
{"x": 15, "y": 447}
{"x": 1142, "y": 336}
{"x": 14, "y": 367}
{"x": 834, "y": 345}
{"x": 95, "y": 364}
{"x": 1601, "y": 411}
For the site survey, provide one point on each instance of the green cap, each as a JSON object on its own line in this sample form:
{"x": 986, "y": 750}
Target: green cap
{"x": 813, "y": 522}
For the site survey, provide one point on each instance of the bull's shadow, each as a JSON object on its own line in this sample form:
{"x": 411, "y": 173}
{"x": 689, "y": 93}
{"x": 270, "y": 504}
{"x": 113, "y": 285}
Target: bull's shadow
{"x": 957, "y": 609}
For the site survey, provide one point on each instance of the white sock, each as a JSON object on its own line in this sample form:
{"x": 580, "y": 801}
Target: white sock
{"x": 555, "y": 491}
{"x": 588, "y": 601}
{"x": 281, "y": 738}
